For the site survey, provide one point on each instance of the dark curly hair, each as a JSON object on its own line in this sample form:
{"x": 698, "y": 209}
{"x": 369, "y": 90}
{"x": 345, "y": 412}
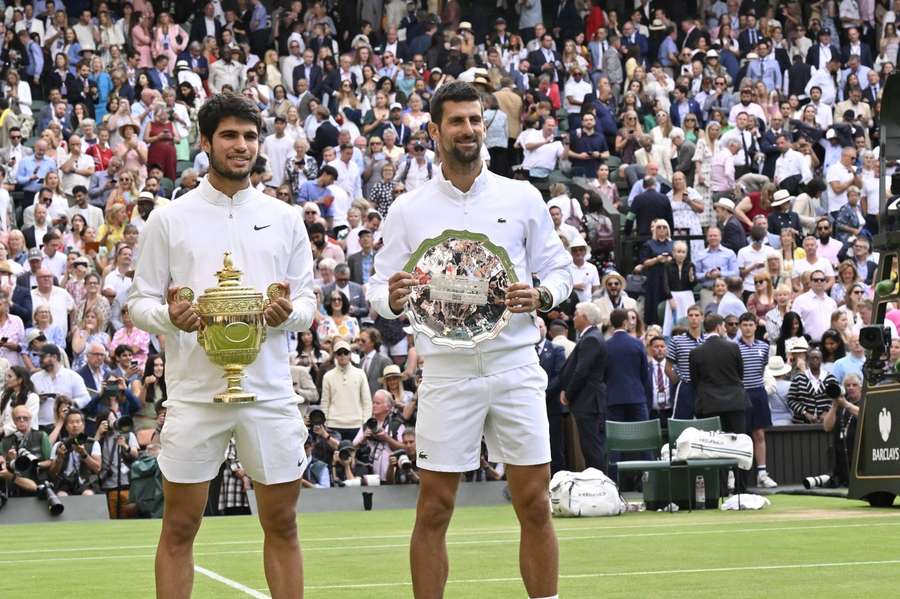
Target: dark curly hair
{"x": 223, "y": 105}
{"x": 345, "y": 303}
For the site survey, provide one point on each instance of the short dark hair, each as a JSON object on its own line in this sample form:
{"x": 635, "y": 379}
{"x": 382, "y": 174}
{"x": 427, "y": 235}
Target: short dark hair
{"x": 314, "y": 228}
{"x": 79, "y": 189}
{"x": 747, "y": 317}
{"x": 618, "y": 318}
{"x": 655, "y": 339}
{"x": 121, "y": 350}
{"x": 223, "y": 105}
{"x": 457, "y": 91}
{"x": 374, "y": 334}
{"x": 712, "y": 322}
{"x": 329, "y": 170}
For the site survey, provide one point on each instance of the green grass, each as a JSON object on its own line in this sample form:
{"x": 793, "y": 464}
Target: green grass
{"x": 638, "y": 555}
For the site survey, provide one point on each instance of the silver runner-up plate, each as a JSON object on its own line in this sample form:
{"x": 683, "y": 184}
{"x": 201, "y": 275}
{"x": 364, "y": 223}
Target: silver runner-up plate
{"x": 459, "y": 300}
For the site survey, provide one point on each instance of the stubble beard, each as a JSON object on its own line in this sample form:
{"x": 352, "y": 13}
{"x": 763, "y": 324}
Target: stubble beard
{"x": 221, "y": 168}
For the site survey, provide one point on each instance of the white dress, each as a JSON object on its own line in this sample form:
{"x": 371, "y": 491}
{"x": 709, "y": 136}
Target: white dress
{"x": 685, "y": 218}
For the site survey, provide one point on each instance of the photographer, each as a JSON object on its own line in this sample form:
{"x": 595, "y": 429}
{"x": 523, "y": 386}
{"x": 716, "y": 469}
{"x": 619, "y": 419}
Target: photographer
{"x": 233, "y": 499}
{"x": 24, "y": 454}
{"x": 345, "y": 469}
{"x": 402, "y": 465}
{"x": 316, "y": 475}
{"x": 841, "y": 421}
{"x": 380, "y": 434}
{"x": 117, "y": 447}
{"x": 73, "y": 468}
{"x": 325, "y": 441}
{"x": 116, "y": 397}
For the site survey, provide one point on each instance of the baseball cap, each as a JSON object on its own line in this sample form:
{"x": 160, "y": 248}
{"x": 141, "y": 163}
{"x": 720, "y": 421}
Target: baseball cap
{"x": 35, "y": 254}
{"x": 712, "y": 54}
{"x": 146, "y": 196}
{"x": 341, "y": 344}
{"x": 396, "y": 105}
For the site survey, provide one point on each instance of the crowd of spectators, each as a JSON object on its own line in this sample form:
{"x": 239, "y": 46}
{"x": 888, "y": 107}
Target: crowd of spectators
{"x": 733, "y": 145}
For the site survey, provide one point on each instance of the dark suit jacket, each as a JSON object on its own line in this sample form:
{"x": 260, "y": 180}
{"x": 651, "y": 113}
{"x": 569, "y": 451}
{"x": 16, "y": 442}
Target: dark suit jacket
{"x": 812, "y": 56}
{"x": 627, "y": 374}
{"x": 537, "y": 60}
{"x": 584, "y": 375}
{"x": 552, "y": 359}
{"x": 402, "y": 50}
{"x": 359, "y": 307}
{"x": 314, "y": 80}
{"x": 865, "y": 54}
{"x": 647, "y": 207}
{"x": 640, "y": 41}
{"x": 85, "y": 373}
{"x": 303, "y": 104}
{"x": 21, "y": 303}
{"x": 326, "y": 136}
{"x": 28, "y": 233}
{"x": 376, "y": 370}
{"x": 198, "y": 29}
{"x": 744, "y": 40}
{"x": 157, "y": 83}
{"x": 202, "y": 63}
{"x": 717, "y": 374}
{"x": 693, "y": 107}
{"x": 733, "y": 236}
{"x": 354, "y": 261}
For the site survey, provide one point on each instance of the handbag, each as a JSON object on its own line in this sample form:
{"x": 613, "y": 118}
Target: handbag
{"x": 574, "y": 220}
{"x": 635, "y": 284}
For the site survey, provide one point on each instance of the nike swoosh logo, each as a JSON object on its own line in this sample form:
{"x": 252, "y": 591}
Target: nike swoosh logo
{"x": 258, "y": 228}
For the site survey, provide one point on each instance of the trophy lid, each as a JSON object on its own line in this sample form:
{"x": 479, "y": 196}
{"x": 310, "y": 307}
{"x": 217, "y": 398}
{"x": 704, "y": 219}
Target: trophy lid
{"x": 230, "y": 282}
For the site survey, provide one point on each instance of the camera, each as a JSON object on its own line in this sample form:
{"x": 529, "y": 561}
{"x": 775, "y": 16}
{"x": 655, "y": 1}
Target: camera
{"x": 345, "y": 452}
{"x": 811, "y": 482}
{"x": 833, "y": 389}
{"x": 372, "y": 425}
{"x": 316, "y": 418}
{"x": 875, "y": 338}
{"x": 110, "y": 389}
{"x": 25, "y": 461}
{"x": 71, "y": 442}
{"x": 403, "y": 461}
{"x": 54, "y": 504}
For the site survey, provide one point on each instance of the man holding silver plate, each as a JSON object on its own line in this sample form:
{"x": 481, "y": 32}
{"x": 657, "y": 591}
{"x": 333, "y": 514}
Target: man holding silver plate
{"x": 458, "y": 257}
{"x": 227, "y": 362}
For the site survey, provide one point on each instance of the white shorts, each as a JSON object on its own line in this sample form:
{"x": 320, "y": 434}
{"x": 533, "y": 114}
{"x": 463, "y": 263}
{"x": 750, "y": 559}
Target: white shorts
{"x": 269, "y": 437}
{"x": 508, "y": 408}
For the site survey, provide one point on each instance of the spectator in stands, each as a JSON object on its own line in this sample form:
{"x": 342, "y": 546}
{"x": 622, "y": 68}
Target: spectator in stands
{"x": 17, "y": 391}
{"x": 24, "y": 438}
{"x": 815, "y": 307}
{"x": 714, "y": 263}
{"x": 731, "y": 303}
{"x": 851, "y": 363}
{"x": 346, "y": 399}
{"x": 373, "y": 360}
{"x": 74, "y": 465}
{"x": 807, "y": 397}
{"x": 778, "y": 385}
{"x": 613, "y": 297}
{"x": 733, "y": 236}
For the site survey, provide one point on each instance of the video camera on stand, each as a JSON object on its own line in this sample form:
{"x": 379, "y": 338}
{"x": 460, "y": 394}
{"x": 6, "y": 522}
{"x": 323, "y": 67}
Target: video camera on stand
{"x": 876, "y": 340}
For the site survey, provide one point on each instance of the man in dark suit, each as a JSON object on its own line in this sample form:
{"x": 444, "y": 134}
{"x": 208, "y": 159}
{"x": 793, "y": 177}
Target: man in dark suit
{"x": 362, "y": 263}
{"x": 309, "y": 71}
{"x": 632, "y": 37}
{"x": 681, "y": 103}
{"x": 819, "y": 54}
{"x": 95, "y": 371}
{"x": 373, "y": 361}
{"x": 326, "y": 134}
{"x": 545, "y": 60}
{"x": 393, "y": 44}
{"x": 195, "y": 60}
{"x": 552, "y": 359}
{"x": 159, "y": 79}
{"x": 857, "y": 47}
{"x": 750, "y": 36}
{"x": 359, "y": 307}
{"x": 717, "y": 371}
{"x": 206, "y": 25}
{"x": 584, "y": 384}
{"x": 648, "y": 206}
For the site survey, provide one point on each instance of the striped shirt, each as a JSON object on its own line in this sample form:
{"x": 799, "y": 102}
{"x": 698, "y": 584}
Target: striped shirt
{"x": 679, "y": 353}
{"x": 755, "y": 356}
{"x": 807, "y": 394}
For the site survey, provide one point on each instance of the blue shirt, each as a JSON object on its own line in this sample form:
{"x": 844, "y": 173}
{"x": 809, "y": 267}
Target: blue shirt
{"x": 367, "y": 261}
{"x": 32, "y": 166}
{"x": 311, "y": 191}
{"x": 722, "y": 258}
{"x": 35, "y": 64}
{"x": 679, "y": 351}
{"x": 755, "y": 357}
{"x": 731, "y": 305}
{"x": 665, "y": 48}
{"x": 259, "y": 18}
{"x": 849, "y": 364}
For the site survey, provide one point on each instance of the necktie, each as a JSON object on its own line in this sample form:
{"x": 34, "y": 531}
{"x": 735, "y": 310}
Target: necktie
{"x": 660, "y": 381}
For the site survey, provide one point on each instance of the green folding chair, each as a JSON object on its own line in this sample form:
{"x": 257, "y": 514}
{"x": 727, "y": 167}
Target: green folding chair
{"x": 713, "y": 423}
{"x": 645, "y": 435}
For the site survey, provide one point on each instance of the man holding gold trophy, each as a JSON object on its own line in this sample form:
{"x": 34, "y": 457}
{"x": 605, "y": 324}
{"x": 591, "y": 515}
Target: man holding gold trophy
{"x": 227, "y": 360}
{"x": 458, "y": 258}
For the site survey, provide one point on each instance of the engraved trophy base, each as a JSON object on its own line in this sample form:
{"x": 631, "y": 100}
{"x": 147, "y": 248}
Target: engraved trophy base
{"x": 235, "y": 393}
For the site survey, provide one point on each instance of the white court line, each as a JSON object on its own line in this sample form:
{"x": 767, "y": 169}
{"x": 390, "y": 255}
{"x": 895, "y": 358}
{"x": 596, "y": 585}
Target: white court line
{"x": 475, "y": 542}
{"x": 458, "y": 533}
{"x": 231, "y": 583}
{"x": 616, "y": 574}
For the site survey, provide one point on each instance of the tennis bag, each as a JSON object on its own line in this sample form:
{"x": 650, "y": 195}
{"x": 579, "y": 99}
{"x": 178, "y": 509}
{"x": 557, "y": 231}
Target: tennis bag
{"x": 587, "y": 493}
{"x": 694, "y": 444}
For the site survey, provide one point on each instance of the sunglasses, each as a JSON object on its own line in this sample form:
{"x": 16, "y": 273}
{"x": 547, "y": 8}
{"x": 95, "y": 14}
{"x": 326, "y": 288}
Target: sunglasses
{"x": 823, "y": 228}
{"x": 342, "y": 352}
{"x": 817, "y": 280}
{"x": 856, "y": 292}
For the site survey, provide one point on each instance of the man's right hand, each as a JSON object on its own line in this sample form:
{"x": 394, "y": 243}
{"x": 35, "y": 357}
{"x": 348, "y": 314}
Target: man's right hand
{"x": 399, "y": 289}
{"x": 182, "y": 313}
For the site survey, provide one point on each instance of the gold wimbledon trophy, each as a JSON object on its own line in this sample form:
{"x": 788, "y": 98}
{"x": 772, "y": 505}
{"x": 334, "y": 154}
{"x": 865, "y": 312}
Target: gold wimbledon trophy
{"x": 232, "y": 326}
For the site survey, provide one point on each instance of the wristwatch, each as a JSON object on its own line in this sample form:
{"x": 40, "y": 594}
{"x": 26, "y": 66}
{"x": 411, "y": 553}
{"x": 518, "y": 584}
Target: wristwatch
{"x": 546, "y": 299}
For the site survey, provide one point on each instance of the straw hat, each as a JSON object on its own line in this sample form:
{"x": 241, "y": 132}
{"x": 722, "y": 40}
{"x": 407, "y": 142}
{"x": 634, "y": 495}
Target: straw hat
{"x": 725, "y": 203}
{"x": 613, "y": 275}
{"x": 782, "y": 196}
{"x": 392, "y": 370}
{"x": 777, "y": 366}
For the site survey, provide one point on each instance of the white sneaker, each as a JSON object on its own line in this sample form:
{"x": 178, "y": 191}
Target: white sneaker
{"x": 765, "y": 481}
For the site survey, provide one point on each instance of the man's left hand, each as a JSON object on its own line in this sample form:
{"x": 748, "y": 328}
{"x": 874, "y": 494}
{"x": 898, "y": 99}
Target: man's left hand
{"x": 279, "y": 310}
{"x": 522, "y": 297}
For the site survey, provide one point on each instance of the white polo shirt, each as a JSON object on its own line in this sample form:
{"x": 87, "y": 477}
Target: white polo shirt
{"x": 837, "y": 173}
{"x": 815, "y": 312}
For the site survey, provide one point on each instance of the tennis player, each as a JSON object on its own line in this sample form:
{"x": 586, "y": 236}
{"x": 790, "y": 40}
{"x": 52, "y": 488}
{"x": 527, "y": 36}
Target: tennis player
{"x": 183, "y": 245}
{"x": 496, "y": 389}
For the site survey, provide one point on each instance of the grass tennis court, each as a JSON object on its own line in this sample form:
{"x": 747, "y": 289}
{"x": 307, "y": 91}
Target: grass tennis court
{"x": 813, "y": 547}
